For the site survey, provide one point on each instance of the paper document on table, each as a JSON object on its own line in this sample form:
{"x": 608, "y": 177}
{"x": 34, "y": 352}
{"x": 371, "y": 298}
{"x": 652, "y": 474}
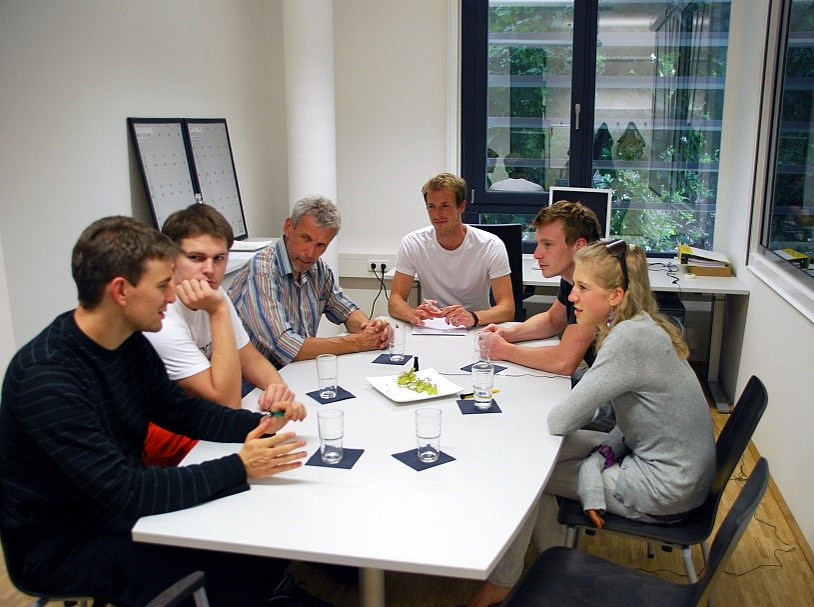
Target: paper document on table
{"x": 250, "y": 245}
{"x": 438, "y": 326}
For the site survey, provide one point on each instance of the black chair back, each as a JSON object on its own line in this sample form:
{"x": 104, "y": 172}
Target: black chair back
{"x": 732, "y": 528}
{"x": 512, "y": 236}
{"x": 732, "y": 443}
{"x": 179, "y": 593}
{"x": 565, "y": 577}
{"x": 738, "y": 430}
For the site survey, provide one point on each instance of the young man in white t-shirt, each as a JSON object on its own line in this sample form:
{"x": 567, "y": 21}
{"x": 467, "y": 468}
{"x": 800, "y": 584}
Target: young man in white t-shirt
{"x": 202, "y": 341}
{"x": 457, "y": 264}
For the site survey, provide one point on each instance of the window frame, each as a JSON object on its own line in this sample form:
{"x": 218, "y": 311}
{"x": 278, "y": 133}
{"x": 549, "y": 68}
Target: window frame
{"x": 790, "y": 282}
{"x": 474, "y": 20}
{"x": 474, "y": 81}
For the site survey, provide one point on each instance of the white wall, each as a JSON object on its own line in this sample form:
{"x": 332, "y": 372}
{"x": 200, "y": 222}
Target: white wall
{"x": 777, "y": 343}
{"x": 391, "y": 103}
{"x": 7, "y": 345}
{"x": 73, "y": 71}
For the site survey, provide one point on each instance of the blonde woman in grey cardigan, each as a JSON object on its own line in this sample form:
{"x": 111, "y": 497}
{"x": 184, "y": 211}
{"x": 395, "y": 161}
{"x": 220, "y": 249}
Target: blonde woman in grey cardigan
{"x": 657, "y": 464}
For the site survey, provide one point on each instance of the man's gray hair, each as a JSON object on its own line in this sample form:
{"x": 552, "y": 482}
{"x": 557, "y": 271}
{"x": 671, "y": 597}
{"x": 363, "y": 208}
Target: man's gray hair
{"x": 320, "y": 208}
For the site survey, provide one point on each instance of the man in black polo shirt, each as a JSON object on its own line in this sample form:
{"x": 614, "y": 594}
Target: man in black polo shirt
{"x": 562, "y": 229}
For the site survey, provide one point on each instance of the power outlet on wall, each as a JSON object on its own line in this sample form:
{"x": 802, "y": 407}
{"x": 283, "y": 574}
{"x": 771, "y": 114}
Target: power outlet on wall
{"x": 377, "y": 265}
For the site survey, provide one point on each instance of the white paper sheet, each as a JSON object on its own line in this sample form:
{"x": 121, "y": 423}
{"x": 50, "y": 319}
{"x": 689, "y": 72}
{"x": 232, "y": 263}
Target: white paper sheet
{"x": 438, "y": 326}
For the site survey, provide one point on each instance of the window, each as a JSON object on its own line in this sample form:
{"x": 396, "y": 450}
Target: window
{"x": 787, "y": 227}
{"x": 612, "y": 94}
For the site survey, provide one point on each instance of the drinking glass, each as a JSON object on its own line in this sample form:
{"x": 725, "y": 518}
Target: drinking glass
{"x": 483, "y": 379}
{"x": 327, "y": 372}
{"x": 331, "y": 424}
{"x": 428, "y": 434}
{"x": 483, "y": 345}
{"x": 397, "y": 342}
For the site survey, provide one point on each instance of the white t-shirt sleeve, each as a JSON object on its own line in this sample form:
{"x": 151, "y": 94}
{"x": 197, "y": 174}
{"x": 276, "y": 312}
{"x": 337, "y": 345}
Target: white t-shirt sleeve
{"x": 177, "y": 348}
{"x": 498, "y": 259}
{"x": 184, "y": 342}
{"x": 405, "y": 257}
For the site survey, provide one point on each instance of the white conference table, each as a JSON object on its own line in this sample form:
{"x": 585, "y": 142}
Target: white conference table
{"x": 720, "y": 288}
{"x": 455, "y": 519}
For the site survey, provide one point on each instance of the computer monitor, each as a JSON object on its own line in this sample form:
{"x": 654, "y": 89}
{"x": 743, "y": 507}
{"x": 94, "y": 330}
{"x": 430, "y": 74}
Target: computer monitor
{"x": 598, "y": 200}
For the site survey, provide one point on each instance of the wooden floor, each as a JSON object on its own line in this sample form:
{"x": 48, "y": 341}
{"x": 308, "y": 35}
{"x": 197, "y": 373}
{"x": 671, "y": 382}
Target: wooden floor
{"x": 770, "y": 567}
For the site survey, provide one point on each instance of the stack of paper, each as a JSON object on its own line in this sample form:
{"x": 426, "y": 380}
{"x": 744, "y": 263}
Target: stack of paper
{"x": 703, "y": 262}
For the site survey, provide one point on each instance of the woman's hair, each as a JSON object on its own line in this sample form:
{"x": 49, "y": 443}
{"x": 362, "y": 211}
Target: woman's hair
{"x": 606, "y": 270}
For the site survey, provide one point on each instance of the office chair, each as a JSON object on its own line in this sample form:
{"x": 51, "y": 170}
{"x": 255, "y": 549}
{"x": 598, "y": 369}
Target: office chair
{"x": 192, "y": 585}
{"x": 731, "y": 443}
{"x": 563, "y": 576}
{"x": 512, "y": 236}
{"x": 14, "y": 562}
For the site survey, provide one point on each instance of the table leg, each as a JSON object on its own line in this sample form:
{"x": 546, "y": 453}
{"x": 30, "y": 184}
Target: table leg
{"x": 714, "y": 362}
{"x": 371, "y": 587}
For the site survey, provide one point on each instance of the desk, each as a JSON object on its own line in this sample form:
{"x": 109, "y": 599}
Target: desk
{"x": 453, "y": 520}
{"x": 719, "y": 288}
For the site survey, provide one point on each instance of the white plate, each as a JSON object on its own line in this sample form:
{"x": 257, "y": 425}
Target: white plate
{"x": 387, "y": 385}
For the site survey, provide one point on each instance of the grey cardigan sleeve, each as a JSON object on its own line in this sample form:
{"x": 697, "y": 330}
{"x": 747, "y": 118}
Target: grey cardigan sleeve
{"x": 590, "y": 487}
{"x": 613, "y": 373}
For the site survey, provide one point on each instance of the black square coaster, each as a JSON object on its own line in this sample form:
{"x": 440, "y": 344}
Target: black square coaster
{"x": 341, "y": 394}
{"x": 498, "y": 368}
{"x": 411, "y": 459}
{"x": 349, "y": 458}
{"x": 385, "y": 359}
{"x": 467, "y": 407}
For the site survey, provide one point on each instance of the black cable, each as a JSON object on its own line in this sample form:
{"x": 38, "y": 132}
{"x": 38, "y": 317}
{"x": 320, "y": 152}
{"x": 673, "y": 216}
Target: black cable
{"x": 381, "y": 284}
{"x": 669, "y": 268}
{"x": 382, "y": 268}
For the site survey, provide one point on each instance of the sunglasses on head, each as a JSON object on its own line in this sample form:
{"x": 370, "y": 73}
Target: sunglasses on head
{"x": 618, "y": 248}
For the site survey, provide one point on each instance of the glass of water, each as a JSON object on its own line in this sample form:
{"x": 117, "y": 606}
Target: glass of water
{"x": 331, "y": 424}
{"x": 397, "y": 340}
{"x": 327, "y": 373}
{"x": 428, "y": 434}
{"x": 483, "y": 379}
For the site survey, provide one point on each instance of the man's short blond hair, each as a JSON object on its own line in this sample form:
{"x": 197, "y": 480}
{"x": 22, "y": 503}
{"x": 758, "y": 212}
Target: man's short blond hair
{"x": 578, "y": 221}
{"x": 446, "y": 181}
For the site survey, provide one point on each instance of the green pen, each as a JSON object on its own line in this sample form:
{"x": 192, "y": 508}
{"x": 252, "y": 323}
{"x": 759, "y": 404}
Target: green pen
{"x": 278, "y": 413}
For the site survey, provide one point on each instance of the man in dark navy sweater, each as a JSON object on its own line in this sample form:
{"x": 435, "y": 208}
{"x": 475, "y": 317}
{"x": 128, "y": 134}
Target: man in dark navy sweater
{"x": 75, "y": 405}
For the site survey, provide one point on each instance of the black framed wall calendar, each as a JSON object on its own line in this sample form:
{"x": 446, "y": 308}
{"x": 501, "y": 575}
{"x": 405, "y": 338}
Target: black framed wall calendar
{"x": 214, "y": 169}
{"x": 181, "y": 157}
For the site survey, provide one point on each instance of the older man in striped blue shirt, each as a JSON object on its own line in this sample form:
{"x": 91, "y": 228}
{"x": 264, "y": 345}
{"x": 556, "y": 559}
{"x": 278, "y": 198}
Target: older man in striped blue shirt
{"x": 283, "y": 292}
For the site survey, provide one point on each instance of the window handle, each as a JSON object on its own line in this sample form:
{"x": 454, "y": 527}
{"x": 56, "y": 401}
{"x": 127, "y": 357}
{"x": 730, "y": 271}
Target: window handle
{"x": 577, "y": 110}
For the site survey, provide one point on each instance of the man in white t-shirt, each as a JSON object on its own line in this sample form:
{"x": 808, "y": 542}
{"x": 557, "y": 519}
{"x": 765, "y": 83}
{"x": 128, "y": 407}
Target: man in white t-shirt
{"x": 202, "y": 341}
{"x": 457, "y": 264}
